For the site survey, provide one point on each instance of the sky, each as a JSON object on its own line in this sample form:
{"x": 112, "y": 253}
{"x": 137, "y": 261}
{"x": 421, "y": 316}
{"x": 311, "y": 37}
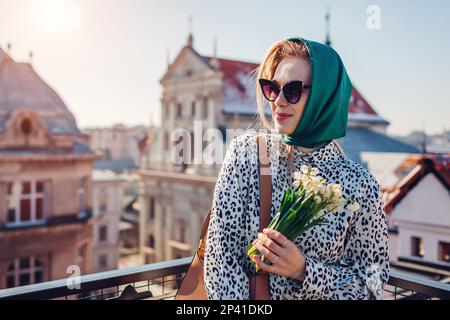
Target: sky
{"x": 106, "y": 57}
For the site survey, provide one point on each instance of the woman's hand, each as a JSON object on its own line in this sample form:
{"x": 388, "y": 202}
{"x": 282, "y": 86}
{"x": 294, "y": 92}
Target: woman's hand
{"x": 286, "y": 258}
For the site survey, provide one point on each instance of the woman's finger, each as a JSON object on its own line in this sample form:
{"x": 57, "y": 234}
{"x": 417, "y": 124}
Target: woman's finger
{"x": 280, "y": 238}
{"x": 270, "y": 244}
{"x": 266, "y": 252}
{"x": 264, "y": 266}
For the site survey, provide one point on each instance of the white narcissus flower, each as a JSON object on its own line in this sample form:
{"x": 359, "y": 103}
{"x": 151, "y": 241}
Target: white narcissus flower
{"x": 311, "y": 186}
{"x": 337, "y": 190}
{"x": 317, "y": 180}
{"x": 322, "y": 190}
{"x": 353, "y": 207}
{"x": 298, "y": 175}
{"x": 314, "y": 171}
{"x": 325, "y": 192}
{"x": 317, "y": 199}
{"x": 341, "y": 202}
{"x": 304, "y": 169}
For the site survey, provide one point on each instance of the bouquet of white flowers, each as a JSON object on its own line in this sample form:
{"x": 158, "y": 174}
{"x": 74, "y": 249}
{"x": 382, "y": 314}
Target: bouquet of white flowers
{"x": 305, "y": 206}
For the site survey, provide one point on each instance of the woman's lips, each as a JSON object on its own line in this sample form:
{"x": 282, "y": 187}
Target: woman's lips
{"x": 282, "y": 116}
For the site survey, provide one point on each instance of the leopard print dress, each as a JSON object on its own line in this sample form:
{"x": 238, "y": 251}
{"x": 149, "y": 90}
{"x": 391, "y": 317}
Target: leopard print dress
{"x": 347, "y": 258}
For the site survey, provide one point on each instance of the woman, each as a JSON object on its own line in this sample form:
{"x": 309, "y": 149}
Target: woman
{"x": 308, "y": 90}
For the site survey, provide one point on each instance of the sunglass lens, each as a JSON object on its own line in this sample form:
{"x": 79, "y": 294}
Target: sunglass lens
{"x": 292, "y": 91}
{"x": 270, "y": 91}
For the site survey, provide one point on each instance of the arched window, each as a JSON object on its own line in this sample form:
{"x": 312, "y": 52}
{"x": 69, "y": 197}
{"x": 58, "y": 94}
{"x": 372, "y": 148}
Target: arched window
{"x": 24, "y": 271}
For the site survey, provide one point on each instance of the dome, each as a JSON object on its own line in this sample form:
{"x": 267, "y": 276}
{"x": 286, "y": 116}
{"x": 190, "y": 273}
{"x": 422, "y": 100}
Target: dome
{"x": 21, "y": 87}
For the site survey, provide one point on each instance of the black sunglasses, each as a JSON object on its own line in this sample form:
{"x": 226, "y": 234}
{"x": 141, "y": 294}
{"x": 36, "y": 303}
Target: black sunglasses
{"x": 292, "y": 90}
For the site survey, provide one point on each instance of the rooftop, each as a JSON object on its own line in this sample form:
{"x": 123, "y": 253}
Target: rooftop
{"x": 21, "y": 87}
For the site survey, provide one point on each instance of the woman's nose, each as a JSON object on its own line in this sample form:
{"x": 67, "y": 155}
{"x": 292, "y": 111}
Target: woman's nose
{"x": 280, "y": 101}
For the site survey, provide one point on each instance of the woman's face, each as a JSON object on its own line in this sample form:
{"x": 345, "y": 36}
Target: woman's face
{"x": 286, "y": 115}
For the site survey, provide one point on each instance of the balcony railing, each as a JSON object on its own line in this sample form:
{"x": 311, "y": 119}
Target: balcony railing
{"x": 159, "y": 281}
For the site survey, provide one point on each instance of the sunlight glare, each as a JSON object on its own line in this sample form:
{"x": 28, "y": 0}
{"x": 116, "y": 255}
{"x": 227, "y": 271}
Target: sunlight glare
{"x": 57, "y": 14}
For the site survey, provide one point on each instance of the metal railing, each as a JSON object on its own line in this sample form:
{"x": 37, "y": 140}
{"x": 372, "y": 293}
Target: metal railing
{"x": 152, "y": 281}
{"x": 159, "y": 281}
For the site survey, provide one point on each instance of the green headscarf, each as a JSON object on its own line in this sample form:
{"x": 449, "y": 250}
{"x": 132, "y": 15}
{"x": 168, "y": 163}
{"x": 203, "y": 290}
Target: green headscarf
{"x": 325, "y": 115}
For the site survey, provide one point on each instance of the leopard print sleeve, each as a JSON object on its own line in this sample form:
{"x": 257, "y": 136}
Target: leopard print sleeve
{"x": 364, "y": 266}
{"x": 224, "y": 274}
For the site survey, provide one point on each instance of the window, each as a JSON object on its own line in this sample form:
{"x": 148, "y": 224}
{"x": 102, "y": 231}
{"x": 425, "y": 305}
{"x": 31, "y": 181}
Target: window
{"x": 417, "y": 247}
{"x": 205, "y": 108}
{"x": 81, "y": 257}
{"x": 151, "y": 241}
{"x": 179, "y": 109}
{"x": 444, "y": 251}
{"x": 24, "y": 271}
{"x": 103, "y": 201}
{"x": 81, "y": 251}
{"x": 166, "y": 140}
{"x": 26, "y": 126}
{"x": 106, "y": 154}
{"x": 25, "y": 201}
{"x": 103, "y": 233}
{"x": 82, "y": 195}
{"x": 151, "y": 209}
{"x": 103, "y": 261}
{"x": 182, "y": 230}
{"x": 191, "y": 145}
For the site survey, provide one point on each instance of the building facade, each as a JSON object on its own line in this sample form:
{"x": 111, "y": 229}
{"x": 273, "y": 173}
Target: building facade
{"x": 418, "y": 208}
{"x": 45, "y": 182}
{"x": 119, "y": 146}
{"x": 107, "y": 205}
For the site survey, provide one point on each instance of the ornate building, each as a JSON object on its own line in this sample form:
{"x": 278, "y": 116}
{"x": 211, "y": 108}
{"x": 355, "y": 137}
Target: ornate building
{"x": 45, "y": 181}
{"x": 107, "y": 205}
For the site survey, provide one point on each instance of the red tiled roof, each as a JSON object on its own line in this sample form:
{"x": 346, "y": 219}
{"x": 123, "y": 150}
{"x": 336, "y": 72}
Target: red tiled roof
{"x": 359, "y": 105}
{"x": 232, "y": 69}
{"x": 439, "y": 165}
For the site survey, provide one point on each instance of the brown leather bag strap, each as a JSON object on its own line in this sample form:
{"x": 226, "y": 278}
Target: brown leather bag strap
{"x": 259, "y": 284}
{"x": 203, "y": 236}
{"x": 265, "y": 183}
